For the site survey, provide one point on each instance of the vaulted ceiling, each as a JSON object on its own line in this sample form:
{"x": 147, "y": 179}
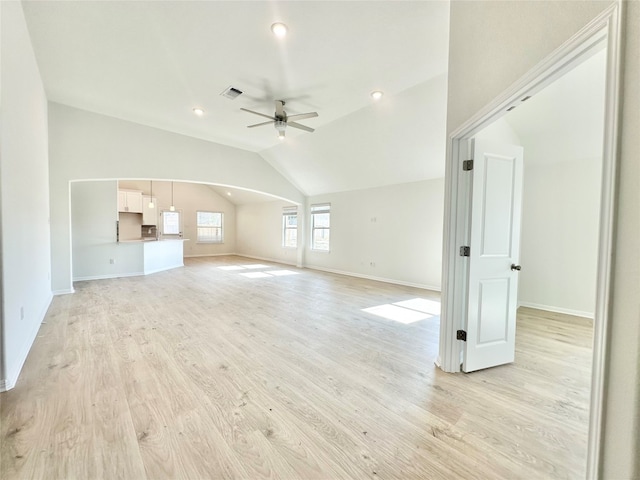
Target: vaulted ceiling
{"x": 565, "y": 121}
{"x": 153, "y": 62}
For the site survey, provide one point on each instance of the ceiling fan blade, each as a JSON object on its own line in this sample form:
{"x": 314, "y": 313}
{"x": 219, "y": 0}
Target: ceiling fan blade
{"x": 257, "y": 113}
{"x": 300, "y": 126}
{"x": 279, "y": 108}
{"x": 302, "y": 116}
{"x": 260, "y": 124}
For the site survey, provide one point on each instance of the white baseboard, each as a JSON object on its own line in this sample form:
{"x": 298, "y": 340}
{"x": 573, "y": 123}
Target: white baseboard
{"x": 330, "y": 270}
{"x": 107, "y": 276}
{"x": 63, "y": 292}
{"x": 549, "y": 308}
{"x": 210, "y": 255}
{"x": 266, "y": 259}
{"x": 163, "y": 269}
{"x": 377, "y": 279}
{"x": 14, "y": 370}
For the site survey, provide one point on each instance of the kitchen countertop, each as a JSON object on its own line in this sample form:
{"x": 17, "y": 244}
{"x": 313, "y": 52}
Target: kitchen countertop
{"x": 145, "y": 240}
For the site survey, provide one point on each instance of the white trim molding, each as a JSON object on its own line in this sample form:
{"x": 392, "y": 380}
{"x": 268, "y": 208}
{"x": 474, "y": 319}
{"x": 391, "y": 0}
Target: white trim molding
{"x": 108, "y": 276}
{"x": 12, "y": 375}
{"x": 606, "y": 27}
{"x": 266, "y": 259}
{"x": 553, "y": 309}
{"x": 377, "y": 279}
{"x": 210, "y": 255}
{"x": 63, "y": 292}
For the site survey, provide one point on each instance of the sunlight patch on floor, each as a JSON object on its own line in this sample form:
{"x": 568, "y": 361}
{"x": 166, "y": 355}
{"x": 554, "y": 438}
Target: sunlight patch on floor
{"x": 281, "y": 273}
{"x": 421, "y": 305}
{"x": 254, "y": 266}
{"x": 263, "y": 274}
{"x": 256, "y": 275}
{"x": 408, "y": 311}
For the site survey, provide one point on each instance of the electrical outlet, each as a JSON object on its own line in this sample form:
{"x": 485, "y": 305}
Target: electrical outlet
{"x": 372, "y": 264}
{"x": 112, "y": 261}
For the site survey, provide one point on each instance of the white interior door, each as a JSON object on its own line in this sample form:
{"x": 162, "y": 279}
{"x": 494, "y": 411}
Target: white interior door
{"x": 494, "y": 255}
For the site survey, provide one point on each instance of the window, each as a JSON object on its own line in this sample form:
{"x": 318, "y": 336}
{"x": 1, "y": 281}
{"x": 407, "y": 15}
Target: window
{"x": 171, "y": 223}
{"x": 320, "y": 222}
{"x": 290, "y": 227}
{"x": 209, "y": 227}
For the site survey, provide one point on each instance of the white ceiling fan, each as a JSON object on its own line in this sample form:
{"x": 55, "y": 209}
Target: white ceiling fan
{"x": 281, "y": 120}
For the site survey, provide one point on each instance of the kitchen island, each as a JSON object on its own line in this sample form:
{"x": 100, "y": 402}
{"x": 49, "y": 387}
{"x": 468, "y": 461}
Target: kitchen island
{"x": 151, "y": 256}
{"x": 126, "y": 258}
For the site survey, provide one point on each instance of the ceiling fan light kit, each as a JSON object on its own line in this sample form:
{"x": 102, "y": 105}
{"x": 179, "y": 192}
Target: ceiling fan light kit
{"x": 281, "y": 120}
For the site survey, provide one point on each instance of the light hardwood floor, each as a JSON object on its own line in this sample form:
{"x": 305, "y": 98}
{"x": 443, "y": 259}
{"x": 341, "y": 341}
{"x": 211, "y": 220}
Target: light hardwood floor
{"x": 203, "y": 373}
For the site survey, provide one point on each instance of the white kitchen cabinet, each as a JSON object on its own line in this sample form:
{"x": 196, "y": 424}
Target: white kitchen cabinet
{"x": 149, "y": 215}
{"x": 122, "y": 201}
{"x": 129, "y": 201}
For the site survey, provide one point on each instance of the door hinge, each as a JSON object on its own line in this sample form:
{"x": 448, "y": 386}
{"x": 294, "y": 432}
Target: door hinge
{"x": 467, "y": 165}
{"x": 465, "y": 251}
{"x": 461, "y": 335}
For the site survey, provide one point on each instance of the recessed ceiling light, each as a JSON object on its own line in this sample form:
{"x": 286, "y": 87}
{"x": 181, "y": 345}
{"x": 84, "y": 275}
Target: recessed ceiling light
{"x": 198, "y": 111}
{"x": 279, "y": 29}
{"x": 229, "y": 194}
{"x": 376, "y": 95}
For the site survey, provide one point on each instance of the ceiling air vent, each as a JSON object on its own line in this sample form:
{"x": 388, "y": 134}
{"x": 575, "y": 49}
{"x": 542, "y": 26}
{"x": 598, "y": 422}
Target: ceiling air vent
{"x": 231, "y": 93}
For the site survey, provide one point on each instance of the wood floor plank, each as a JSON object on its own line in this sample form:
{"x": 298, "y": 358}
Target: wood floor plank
{"x": 202, "y": 373}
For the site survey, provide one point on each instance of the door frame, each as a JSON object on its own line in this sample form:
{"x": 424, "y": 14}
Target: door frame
{"x": 606, "y": 27}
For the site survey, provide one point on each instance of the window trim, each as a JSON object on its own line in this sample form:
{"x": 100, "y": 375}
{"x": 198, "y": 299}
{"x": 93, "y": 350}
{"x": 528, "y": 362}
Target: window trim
{"x": 315, "y": 209}
{"x": 162, "y": 224}
{"x": 198, "y": 226}
{"x": 286, "y": 212}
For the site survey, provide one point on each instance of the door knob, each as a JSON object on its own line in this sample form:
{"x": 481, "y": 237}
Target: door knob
{"x": 516, "y": 267}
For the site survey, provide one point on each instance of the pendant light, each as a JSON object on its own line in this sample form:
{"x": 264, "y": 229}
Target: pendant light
{"x": 151, "y": 205}
{"x": 172, "y": 208}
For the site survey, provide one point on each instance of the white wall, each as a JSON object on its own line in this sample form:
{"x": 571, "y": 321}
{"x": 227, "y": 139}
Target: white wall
{"x": 260, "y": 232}
{"x": 85, "y": 146}
{"x": 559, "y": 242}
{"x": 561, "y": 129}
{"x": 500, "y": 131}
{"x": 188, "y": 199}
{"x": 360, "y": 150}
{"x": 93, "y": 225}
{"x": 622, "y": 413}
{"x": 397, "y": 228}
{"x": 24, "y": 186}
{"x": 93, "y": 232}
{"x": 492, "y": 44}
{"x": 560, "y": 207}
